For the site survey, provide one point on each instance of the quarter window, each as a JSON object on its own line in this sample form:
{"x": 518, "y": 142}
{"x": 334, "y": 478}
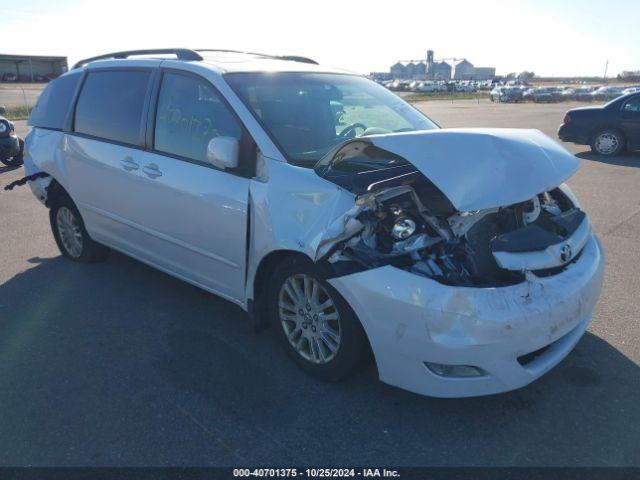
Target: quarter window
{"x": 54, "y": 102}
{"x": 111, "y": 105}
{"x": 190, "y": 113}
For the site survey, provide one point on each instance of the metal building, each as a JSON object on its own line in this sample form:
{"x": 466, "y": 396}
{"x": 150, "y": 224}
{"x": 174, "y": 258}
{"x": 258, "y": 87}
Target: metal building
{"x": 484, "y": 73}
{"x": 409, "y": 69}
{"x": 444, "y": 69}
{"x": 462, "y": 69}
{"x": 31, "y": 68}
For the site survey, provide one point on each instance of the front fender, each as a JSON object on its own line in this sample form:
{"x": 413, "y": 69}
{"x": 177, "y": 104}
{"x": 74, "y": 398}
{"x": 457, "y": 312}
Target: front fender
{"x": 295, "y": 210}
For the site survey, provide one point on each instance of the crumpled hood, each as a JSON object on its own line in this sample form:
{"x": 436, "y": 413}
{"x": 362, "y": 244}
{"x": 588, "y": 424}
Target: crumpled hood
{"x": 479, "y": 168}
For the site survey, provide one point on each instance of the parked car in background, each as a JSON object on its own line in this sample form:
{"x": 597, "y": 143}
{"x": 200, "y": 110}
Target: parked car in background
{"x": 547, "y": 95}
{"x": 527, "y": 94}
{"x": 413, "y": 86}
{"x": 506, "y": 94}
{"x": 428, "y": 87}
{"x": 628, "y": 90}
{"x": 607, "y": 93}
{"x": 608, "y": 129}
{"x": 458, "y": 257}
{"x": 583, "y": 94}
{"x": 11, "y": 147}
{"x": 465, "y": 87}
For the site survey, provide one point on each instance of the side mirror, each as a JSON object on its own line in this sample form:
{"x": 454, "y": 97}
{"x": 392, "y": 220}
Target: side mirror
{"x": 2, "y": 110}
{"x": 223, "y": 152}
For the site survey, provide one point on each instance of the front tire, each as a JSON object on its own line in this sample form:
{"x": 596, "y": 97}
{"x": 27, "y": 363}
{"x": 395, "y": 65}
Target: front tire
{"x": 71, "y": 235}
{"x": 315, "y": 325}
{"x": 608, "y": 142}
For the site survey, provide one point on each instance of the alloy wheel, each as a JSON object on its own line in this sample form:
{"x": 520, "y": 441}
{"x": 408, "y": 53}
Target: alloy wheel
{"x": 69, "y": 231}
{"x": 606, "y": 143}
{"x": 309, "y": 318}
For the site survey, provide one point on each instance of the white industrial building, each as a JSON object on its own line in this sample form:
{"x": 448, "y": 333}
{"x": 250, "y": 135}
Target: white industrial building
{"x": 444, "y": 69}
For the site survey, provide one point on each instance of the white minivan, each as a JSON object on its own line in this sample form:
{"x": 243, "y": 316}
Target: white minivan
{"x": 325, "y": 205}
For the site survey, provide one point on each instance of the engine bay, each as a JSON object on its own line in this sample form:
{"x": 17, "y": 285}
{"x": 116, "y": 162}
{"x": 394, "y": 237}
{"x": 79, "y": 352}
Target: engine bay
{"x": 393, "y": 226}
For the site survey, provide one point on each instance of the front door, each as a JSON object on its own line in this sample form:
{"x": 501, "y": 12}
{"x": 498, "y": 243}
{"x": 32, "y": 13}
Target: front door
{"x": 195, "y": 214}
{"x": 631, "y": 122}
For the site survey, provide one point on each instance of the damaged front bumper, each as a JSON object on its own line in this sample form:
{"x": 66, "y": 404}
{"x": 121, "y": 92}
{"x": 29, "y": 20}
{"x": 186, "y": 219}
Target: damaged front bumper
{"x": 512, "y": 335}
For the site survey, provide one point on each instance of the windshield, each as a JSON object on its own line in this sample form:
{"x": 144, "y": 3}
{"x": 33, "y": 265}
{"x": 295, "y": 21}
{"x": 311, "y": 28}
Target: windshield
{"x": 307, "y": 114}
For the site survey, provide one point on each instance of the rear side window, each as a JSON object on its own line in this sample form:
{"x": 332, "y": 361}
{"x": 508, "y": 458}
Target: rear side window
{"x": 111, "y": 105}
{"x": 54, "y": 102}
{"x": 191, "y": 113}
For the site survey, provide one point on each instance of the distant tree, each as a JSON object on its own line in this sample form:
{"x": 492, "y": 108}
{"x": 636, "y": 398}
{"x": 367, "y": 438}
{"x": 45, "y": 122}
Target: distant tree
{"x": 511, "y": 76}
{"x": 526, "y": 75}
{"x": 629, "y": 76}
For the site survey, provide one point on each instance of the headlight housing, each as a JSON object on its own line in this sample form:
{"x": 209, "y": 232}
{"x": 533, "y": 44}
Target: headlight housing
{"x": 403, "y": 228}
{"x": 4, "y": 127}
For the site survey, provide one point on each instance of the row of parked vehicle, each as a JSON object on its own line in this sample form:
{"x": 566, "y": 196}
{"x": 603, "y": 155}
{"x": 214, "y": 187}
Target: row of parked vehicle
{"x": 430, "y": 86}
{"x": 24, "y": 78}
{"x": 559, "y": 94}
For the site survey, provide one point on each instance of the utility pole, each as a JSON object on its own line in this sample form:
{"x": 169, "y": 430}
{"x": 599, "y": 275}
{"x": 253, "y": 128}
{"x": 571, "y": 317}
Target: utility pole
{"x": 31, "y": 69}
{"x": 606, "y": 66}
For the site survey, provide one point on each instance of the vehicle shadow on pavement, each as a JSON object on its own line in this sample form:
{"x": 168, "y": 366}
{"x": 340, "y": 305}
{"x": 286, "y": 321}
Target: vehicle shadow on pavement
{"x": 4, "y": 169}
{"x": 118, "y": 353}
{"x": 628, "y": 159}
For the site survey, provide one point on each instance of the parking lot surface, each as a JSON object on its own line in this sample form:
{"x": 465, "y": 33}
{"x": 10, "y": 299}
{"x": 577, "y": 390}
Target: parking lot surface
{"x": 19, "y": 95}
{"x": 119, "y": 364}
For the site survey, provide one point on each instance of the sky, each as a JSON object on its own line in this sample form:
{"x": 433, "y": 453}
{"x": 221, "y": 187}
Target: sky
{"x": 549, "y": 37}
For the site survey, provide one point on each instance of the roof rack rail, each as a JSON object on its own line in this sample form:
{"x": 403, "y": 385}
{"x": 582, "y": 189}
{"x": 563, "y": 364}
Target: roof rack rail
{"x": 181, "y": 53}
{"x": 290, "y": 58}
{"x": 224, "y": 50}
{"x": 296, "y": 58}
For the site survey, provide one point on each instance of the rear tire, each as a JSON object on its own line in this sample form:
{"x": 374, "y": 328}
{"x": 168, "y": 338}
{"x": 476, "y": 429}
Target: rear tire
{"x": 330, "y": 349}
{"x": 71, "y": 235}
{"x": 17, "y": 160}
{"x": 608, "y": 142}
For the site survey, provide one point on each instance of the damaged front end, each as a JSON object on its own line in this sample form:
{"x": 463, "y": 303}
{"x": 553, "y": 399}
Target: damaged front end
{"x": 403, "y": 218}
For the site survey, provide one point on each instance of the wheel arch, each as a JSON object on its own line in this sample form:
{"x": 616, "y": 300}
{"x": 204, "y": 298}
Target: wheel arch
{"x": 258, "y": 308}
{"x": 256, "y": 305}
{"x": 55, "y": 191}
{"x": 606, "y": 126}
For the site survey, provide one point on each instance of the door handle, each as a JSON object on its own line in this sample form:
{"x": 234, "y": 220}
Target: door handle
{"x": 128, "y": 164}
{"x": 152, "y": 170}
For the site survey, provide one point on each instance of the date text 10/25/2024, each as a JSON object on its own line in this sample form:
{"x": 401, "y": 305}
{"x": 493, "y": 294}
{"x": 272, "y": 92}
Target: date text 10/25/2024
{"x": 316, "y": 472}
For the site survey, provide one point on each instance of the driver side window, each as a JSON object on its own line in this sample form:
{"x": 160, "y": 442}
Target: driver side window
{"x": 632, "y": 105}
{"x": 190, "y": 113}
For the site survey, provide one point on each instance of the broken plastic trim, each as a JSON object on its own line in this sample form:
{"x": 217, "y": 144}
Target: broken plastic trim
{"x": 492, "y": 247}
{"x": 554, "y": 255}
{"x": 24, "y": 180}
